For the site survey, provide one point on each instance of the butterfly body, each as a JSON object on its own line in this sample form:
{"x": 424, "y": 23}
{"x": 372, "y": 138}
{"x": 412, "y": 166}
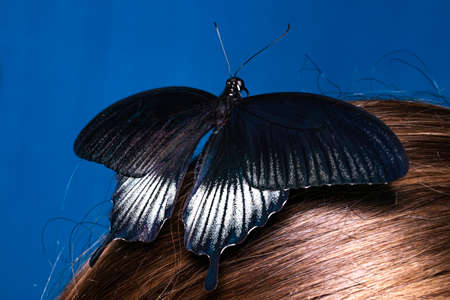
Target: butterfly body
{"x": 226, "y": 101}
{"x": 261, "y": 147}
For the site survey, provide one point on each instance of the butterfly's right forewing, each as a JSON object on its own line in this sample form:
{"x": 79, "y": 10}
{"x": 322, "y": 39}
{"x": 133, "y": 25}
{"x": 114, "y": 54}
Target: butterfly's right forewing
{"x": 296, "y": 140}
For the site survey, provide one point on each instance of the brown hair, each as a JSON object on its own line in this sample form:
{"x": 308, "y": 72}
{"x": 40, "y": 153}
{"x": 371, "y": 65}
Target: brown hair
{"x": 382, "y": 241}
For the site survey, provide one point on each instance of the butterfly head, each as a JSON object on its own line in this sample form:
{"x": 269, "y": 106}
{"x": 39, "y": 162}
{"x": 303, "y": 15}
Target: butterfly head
{"x": 235, "y": 85}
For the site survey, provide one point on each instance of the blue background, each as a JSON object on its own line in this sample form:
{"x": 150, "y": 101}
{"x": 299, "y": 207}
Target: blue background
{"x": 61, "y": 62}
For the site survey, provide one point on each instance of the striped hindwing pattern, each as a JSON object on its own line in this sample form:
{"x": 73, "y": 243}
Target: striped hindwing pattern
{"x": 223, "y": 208}
{"x": 140, "y": 207}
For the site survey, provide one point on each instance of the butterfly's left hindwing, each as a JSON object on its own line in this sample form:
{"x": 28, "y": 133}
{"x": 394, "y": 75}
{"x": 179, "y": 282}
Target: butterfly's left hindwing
{"x": 140, "y": 207}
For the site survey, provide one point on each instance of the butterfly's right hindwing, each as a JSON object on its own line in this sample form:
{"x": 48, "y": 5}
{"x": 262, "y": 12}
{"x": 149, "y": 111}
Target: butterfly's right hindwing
{"x": 223, "y": 207}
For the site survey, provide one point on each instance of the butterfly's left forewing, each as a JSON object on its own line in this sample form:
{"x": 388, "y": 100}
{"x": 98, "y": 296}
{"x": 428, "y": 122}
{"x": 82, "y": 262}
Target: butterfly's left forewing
{"x": 144, "y": 132}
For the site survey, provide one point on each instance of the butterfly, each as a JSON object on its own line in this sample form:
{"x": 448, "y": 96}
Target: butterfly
{"x": 259, "y": 147}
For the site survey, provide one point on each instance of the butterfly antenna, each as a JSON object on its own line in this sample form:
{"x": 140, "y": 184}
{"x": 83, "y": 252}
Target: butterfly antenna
{"x": 223, "y": 49}
{"x": 266, "y": 47}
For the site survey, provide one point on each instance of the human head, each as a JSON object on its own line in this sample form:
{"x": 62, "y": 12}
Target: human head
{"x": 390, "y": 241}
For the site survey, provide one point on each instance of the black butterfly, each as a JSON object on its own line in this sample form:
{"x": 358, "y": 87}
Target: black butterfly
{"x": 260, "y": 147}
